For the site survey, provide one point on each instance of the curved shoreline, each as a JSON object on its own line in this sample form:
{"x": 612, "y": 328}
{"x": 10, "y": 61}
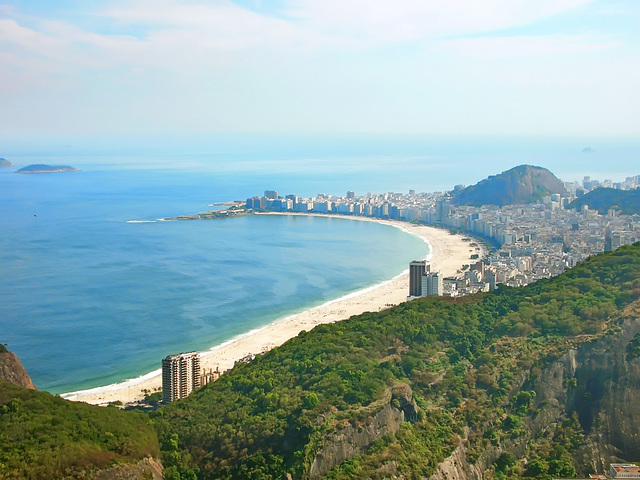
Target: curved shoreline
{"x": 448, "y": 253}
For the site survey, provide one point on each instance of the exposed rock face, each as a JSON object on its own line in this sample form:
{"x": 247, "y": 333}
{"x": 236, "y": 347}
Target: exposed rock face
{"x": 605, "y": 397}
{"x": 350, "y": 441}
{"x": 520, "y": 185}
{"x": 146, "y": 469}
{"x": 456, "y": 467}
{"x": 12, "y": 370}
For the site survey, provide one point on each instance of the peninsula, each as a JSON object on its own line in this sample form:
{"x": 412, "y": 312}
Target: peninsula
{"x": 42, "y": 168}
{"x": 6, "y": 163}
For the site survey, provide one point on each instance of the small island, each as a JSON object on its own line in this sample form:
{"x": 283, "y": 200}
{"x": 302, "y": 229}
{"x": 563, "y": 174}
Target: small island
{"x": 41, "y": 168}
{"x": 5, "y": 163}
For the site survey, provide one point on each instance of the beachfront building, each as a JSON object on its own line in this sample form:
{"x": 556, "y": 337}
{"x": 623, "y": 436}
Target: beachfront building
{"x": 432, "y": 284}
{"x": 417, "y": 269}
{"x": 180, "y": 375}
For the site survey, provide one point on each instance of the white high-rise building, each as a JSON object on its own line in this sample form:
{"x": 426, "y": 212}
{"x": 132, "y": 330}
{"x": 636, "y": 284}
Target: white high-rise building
{"x": 180, "y": 375}
{"x": 432, "y": 284}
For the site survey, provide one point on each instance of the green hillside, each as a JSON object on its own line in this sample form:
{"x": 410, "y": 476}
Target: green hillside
{"x": 44, "y": 437}
{"x": 536, "y": 382}
{"x": 447, "y": 364}
{"x": 602, "y": 199}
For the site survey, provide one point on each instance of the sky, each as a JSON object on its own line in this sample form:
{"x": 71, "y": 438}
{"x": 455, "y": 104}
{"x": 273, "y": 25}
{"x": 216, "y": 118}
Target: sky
{"x": 506, "y": 68}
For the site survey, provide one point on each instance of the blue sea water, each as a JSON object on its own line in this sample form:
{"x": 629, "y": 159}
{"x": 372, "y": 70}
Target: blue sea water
{"x": 88, "y": 299}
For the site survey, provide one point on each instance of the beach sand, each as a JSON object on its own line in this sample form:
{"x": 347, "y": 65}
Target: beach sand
{"x": 448, "y": 254}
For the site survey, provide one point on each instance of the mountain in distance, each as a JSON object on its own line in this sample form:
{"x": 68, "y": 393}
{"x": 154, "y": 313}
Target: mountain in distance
{"x": 5, "y": 163}
{"x": 603, "y": 199}
{"x": 42, "y": 168}
{"x": 519, "y": 185}
{"x": 12, "y": 370}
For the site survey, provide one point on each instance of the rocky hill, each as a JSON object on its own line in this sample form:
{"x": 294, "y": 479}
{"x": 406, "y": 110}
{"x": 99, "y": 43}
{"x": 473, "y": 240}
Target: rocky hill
{"x": 602, "y": 199}
{"x": 12, "y": 370}
{"x": 519, "y": 185}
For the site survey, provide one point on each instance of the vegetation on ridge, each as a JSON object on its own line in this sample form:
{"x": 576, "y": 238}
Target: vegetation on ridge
{"x": 44, "y": 436}
{"x": 602, "y": 199}
{"x": 470, "y": 364}
{"x": 461, "y": 357}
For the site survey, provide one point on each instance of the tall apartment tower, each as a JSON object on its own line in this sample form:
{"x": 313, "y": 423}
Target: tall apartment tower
{"x": 180, "y": 375}
{"x": 417, "y": 269}
{"x": 432, "y": 284}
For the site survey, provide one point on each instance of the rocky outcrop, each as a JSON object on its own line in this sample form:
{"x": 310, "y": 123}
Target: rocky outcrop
{"x": 345, "y": 443}
{"x": 456, "y": 467}
{"x": 145, "y": 469}
{"x": 12, "y": 370}
{"x": 606, "y": 399}
{"x": 597, "y": 380}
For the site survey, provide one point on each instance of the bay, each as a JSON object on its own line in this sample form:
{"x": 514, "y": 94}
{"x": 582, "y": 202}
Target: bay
{"x": 88, "y": 299}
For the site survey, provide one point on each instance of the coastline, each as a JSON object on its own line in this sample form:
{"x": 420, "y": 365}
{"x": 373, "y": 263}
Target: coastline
{"x": 447, "y": 255}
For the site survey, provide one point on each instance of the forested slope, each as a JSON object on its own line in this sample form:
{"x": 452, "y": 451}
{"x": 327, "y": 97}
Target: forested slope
{"x": 537, "y": 382}
{"x": 392, "y": 394}
{"x": 603, "y": 199}
{"x": 44, "y": 437}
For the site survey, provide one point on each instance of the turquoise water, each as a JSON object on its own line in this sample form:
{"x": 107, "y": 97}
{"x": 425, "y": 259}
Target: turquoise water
{"x": 87, "y": 299}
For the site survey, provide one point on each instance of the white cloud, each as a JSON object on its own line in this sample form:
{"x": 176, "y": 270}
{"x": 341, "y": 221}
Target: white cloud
{"x": 172, "y": 32}
{"x": 402, "y": 20}
{"x": 494, "y": 48}
{"x": 219, "y": 24}
{"x": 368, "y": 65}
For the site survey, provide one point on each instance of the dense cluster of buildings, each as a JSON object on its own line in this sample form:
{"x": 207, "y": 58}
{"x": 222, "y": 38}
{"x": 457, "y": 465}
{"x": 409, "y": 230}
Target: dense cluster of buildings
{"x": 425, "y": 283}
{"x": 532, "y": 241}
{"x": 540, "y": 240}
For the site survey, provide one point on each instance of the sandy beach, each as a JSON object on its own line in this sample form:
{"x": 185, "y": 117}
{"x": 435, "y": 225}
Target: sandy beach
{"x": 448, "y": 254}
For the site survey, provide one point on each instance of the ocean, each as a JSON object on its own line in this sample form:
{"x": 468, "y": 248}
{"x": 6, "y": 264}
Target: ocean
{"x": 88, "y": 298}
